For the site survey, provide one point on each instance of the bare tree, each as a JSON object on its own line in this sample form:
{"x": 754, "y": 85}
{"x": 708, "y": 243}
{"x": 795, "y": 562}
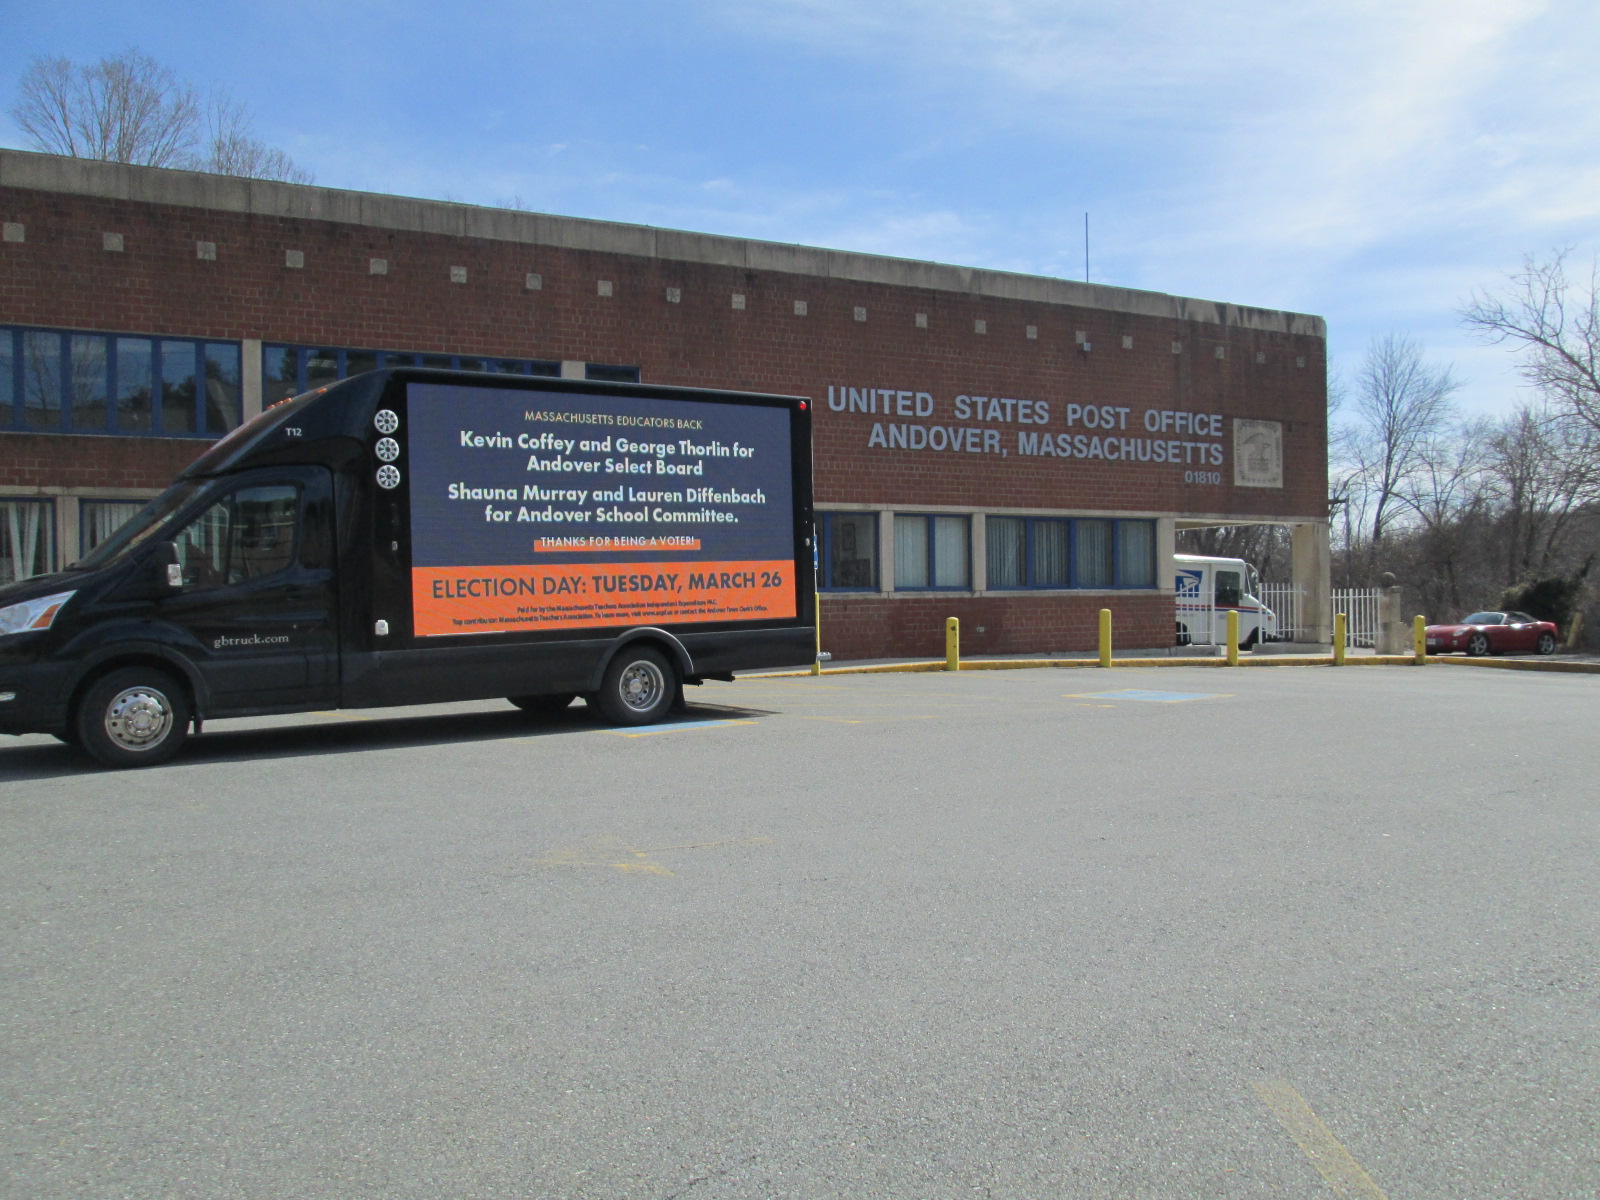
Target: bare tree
{"x": 1543, "y": 467}
{"x": 129, "y": 108}
{"x": 1401, "y": 404}
{"x": 1556, "y": 323}
{"x": 233, "y": 149}
{"x": 125, "y": 108}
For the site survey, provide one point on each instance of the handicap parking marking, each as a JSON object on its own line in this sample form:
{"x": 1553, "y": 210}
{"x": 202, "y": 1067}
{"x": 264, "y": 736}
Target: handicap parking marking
{"x": 1149, "y": 696}
{"x": 673, "y": 727}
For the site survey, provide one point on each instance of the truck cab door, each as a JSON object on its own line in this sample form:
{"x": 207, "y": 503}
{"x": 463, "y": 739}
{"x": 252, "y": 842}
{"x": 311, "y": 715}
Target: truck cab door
{"x": 258, "y": 601}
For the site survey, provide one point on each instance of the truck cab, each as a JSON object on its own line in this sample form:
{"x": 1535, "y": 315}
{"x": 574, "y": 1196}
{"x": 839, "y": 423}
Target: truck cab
{"x": 1207, "y": 589}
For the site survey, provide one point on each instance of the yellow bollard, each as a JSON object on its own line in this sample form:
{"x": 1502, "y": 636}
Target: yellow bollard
{"x": 816, "y": 660}
{"x": 1338, "y": 639}
{"x": 1419, "y": 640}
{"x": 952, "y": 644}
{"x": 1105, "y": 637}
{"x": 1233, "y": 637}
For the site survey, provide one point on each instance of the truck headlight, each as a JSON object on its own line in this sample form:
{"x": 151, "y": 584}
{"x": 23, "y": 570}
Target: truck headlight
{"x": 31, "y": 616}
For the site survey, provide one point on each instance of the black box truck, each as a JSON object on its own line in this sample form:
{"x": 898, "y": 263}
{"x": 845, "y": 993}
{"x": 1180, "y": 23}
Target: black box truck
{"x": 411, "y": 536}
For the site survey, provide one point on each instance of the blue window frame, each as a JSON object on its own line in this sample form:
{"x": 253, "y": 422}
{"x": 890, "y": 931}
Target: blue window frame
{"x": 932, "y": 552}
{"x": 1056, "y": 552}
{"x": 289, "y": 370}
{"x": 849, "y": 551}
{"x": 72, "y": 381}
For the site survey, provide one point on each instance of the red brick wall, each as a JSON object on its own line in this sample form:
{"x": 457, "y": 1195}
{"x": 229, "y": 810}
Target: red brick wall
{"x": 61, "y": 276}
{"x": 867, "y": 626}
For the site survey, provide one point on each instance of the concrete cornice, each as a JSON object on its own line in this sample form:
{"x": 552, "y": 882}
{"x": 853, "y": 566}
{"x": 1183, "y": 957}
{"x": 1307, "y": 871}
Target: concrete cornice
{"x": 258, "y": 197}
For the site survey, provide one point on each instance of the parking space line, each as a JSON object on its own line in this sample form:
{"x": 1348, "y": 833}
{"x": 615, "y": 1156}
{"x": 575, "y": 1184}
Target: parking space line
{"x": 1327, "y": 1154}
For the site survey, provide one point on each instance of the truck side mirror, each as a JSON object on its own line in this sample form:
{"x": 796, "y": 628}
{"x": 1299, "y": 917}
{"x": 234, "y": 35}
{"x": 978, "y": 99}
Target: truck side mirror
{"x": 168, "y": 571}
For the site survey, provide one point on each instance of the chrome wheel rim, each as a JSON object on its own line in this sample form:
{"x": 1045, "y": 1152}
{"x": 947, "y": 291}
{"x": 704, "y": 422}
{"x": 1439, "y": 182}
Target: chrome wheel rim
{"x": 642, "y": 685}
{"x": 138, "y": 718}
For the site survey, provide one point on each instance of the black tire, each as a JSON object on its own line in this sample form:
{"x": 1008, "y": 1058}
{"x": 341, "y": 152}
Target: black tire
{"x": 638, "y": 689}
{"x": 1547, "y": 643}
{"x": 1478, "y": 645}
{"x": 1250, "y": 642}
{"x": 543, "y": 706}
{"x": 133, "y": 717}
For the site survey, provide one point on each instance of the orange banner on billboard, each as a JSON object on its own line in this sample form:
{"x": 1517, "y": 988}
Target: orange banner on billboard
{"x": 457, "y": 600}
{"x": 643, "y": 545}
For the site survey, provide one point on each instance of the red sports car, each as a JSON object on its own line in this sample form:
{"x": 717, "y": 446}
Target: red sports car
{"x": 1493, "y": 633}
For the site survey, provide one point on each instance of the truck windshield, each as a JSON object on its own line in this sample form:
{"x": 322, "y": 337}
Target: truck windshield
{"x": 140, "y": 526}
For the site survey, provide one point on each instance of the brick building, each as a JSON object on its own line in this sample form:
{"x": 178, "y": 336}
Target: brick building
{"x": 1014, "y": 450}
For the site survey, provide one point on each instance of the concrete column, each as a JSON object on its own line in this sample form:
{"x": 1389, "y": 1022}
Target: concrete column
{"x": 572, "y": 370}
{"x": 886, "y": 552}
{"x": 980, "y": 553}
{"x": 68, "y": 528}
{"x": 250, "y": 378}
{"x": 1394, "y": 631}
{"x": 1166, "y": 547}
{"x": 1311, "y": 571}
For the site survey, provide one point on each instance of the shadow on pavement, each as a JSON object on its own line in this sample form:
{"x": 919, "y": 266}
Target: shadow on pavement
{"x": 339, "y": 735}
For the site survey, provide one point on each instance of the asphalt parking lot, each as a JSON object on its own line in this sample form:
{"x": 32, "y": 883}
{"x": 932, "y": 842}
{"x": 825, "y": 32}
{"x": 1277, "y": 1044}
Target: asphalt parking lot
{"x": 1186, "y": 932}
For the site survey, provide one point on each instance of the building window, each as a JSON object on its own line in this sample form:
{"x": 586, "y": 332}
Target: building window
{"x": 289, "y": 370}
{"x": 931, "y": 552}
{"x": 27, "y": 539}
{"x": 1028, "y": 552}
{"x": 52, "y": 381}
{"x": 1054, "y": 552}
{"x": 611, "y": 374}
{"x": 99, "y": 519}
{"x": 849, "y": 551}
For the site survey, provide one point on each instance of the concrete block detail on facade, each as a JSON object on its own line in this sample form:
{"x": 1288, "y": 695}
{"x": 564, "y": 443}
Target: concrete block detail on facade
{"x": 377, "y": 266}
{"x": 922, "y": 320}
{"x": 980, "y": 327}
{"x": 205, "y": 251}
{"x": 294, "y": 259}
{"x": 458, "y": 274}
{"x": 799, "y": 308}
{"x": 861, "y": 313}
{"x": 1177, "y": 347}
{"x": 533, "y": 281}
{"x": 738, "y": 301}
{"x": 112, "y": 242}
{"x": 1222, "y": 352}
{"x": 573, "y": 369}
{"x": 603, "y": 288}
{"x": 674, "y": 295}
{"x": 250, "y": 382}
{"x": 1127, "y": 341}
{"x": 15, "y": 231}
{"x": 1032, "y": 333}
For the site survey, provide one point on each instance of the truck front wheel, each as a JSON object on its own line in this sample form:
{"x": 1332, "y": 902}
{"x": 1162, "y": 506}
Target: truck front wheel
{"x": 133, "y": 717}
{"x": 638, "y": 688}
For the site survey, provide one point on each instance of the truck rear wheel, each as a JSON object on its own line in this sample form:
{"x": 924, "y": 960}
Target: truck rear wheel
{"x": 639, "y": 687}
{"x": 133, "y": 717}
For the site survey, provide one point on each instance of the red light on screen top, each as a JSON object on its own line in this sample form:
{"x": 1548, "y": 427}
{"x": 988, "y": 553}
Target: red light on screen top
{"x": 802, "y": 406}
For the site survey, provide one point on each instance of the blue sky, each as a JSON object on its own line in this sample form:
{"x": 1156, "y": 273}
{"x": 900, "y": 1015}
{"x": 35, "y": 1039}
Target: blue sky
{"x": 1369, "y": 162}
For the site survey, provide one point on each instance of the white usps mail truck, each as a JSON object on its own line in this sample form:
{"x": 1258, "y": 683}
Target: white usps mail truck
{"x": 1207, "y": 589}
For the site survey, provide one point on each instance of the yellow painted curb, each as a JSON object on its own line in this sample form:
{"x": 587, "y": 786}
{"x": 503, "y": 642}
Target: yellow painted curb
{"x": 1522, "y": 664}
{"x": 1021, "y": 664}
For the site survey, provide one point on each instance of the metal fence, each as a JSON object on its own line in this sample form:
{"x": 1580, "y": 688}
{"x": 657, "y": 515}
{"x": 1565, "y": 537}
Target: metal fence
{"x": 1360, "y": 606}
{"x": 1288, "y": 602}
